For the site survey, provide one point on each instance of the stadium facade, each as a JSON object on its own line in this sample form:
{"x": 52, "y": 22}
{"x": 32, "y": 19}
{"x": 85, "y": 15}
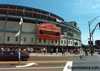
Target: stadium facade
{"x": 39, "y": 29}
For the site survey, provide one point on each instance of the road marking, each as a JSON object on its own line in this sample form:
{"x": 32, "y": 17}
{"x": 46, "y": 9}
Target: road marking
{"x": 27, "y": 65}
{"x": 68, "y": 66}
{"x": 31, "y": 68}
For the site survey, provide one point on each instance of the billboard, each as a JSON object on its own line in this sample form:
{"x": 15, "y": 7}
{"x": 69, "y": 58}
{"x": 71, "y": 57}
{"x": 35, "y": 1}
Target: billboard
{"x": 49, "y": 31}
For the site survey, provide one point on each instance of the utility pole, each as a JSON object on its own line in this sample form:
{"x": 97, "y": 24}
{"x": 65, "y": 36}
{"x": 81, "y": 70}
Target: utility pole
{"x": 90, "y": 42}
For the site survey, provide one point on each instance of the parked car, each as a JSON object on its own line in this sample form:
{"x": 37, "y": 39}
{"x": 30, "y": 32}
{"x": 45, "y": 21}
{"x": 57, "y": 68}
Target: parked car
{"x": 13, "y": 56}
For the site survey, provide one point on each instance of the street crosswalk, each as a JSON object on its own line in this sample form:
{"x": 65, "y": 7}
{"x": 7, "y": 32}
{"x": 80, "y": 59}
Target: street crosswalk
{"x": 68, "y": 66}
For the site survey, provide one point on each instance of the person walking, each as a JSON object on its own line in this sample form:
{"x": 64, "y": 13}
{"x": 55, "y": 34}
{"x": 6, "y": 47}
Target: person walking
{"x": 86, "y": 52}
{"x": 91, "y": 51}
{"x": 56, "y": 51}
{"x": 51, "y": 51}
{"x": 44, "y": 50}
{"x": 81, "y": 53}
{"x": 62, "y": 51}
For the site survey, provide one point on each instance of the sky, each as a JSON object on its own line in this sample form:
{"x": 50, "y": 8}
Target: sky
{"x": 80, "y": 11}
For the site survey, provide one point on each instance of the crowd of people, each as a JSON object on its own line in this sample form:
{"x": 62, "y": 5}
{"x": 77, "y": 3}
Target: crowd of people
{"x": 13, "y": 50}
{"x": 45, "y": 50}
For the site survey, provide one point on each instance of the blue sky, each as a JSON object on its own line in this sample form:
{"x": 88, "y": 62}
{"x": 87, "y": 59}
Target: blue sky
{"x": 80, "y": 11}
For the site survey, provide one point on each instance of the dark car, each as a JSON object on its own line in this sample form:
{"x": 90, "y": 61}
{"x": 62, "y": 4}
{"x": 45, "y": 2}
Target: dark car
{"x": 13, "y": 56}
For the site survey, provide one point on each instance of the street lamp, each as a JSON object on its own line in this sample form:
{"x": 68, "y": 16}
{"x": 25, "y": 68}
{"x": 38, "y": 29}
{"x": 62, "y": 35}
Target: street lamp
{"x": 90, "y": 42}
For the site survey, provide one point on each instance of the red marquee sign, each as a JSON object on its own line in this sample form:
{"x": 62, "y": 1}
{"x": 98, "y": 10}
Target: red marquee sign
{"x": 49, "y": 31}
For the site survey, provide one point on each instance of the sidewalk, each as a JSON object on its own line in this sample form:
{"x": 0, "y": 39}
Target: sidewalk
{"x": 54, "y": 54}
{"x": 59, "y": 54}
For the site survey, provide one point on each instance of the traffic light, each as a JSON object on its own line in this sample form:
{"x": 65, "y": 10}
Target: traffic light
{"x": 99, "y": 24}
{"x": 90, "y": 42}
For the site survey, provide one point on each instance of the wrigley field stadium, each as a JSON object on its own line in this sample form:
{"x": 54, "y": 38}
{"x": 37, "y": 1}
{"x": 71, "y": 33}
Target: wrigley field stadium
{"x": 39, "y": 29}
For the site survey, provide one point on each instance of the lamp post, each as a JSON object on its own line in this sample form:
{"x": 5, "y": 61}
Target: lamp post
{"x": 91, "y": 33}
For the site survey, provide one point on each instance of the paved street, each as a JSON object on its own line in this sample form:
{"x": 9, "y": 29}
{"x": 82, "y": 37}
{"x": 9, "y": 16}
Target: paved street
{"x": 54, "y": 63}
{"x": 51, "y": 67}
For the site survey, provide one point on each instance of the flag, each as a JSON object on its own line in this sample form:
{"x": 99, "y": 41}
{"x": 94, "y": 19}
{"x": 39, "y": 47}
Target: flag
{"x": 17, "y": 34}
{"x": 21, "y": 21}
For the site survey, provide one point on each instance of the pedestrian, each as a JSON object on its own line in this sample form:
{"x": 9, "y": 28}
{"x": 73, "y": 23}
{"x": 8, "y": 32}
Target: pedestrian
{"x": 41, "y": 51}
{"x": 44, "y": 50}
{"x": 51, "y": 50}
{"x": 8, "y": 50}
{"x": 56, "y": 51}
{"x": 62, "y": 51}
{"x": 2, "y": 49}
{"x": 81, "y": 53}
{"x": 91, "y": 51}
{"x": 31, "y": 50}
{"x": 86, "y": 53}
{"x": 24, "y": 50}
{"x": 28, "y": 49}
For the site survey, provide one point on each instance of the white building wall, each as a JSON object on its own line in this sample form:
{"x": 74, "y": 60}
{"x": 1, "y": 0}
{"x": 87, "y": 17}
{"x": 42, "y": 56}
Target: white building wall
{"x": 30, "y": 39}
{"x": 63, "y": 42}
{"x": 14, "y": 26}
{"x": 28, "y": 27}
{"x": 2, "y": 24}
{"x": 79, "y": 43}
{"x": 48, "y": 42}
{"x": 42, "y": 42}
{"x": 12, "y": 38}
{"x": 54, "y": 42}
{"x": 70, "y": 42}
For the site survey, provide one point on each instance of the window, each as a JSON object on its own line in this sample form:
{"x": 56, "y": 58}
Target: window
{"x": 16, "y": 39}
{"x": 40, "y": 40}
{"x": 3, "y": 11}
{"x": 32, "y": 39}
{"x": 65, "y": 42}
{"x": 8, "y": 38}
{"x": 24, "y": 39}
{"x": 69, "y": 42}
{"x": 11, "y": 11}
{"x": 62, "y": 41}
{"x": 51, "y": 41}
{"x": 70, "y": 34}
{"x": 44, "y": 40}
{"x": 55, "y": 41}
